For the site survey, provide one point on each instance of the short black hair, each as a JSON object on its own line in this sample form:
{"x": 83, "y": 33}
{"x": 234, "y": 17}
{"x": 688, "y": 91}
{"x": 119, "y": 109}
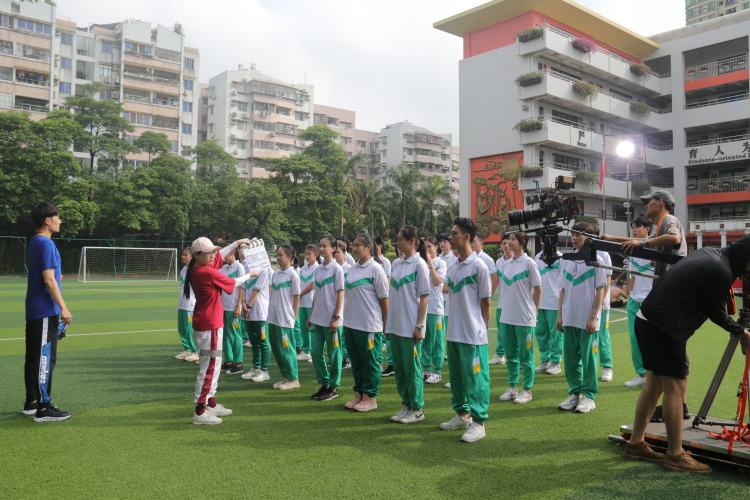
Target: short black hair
{"x": 467, "y": 226}
{"x": 378, "y": 241}
{"x": 642, "y": 221}
{"x": 42, "y": 211}
{"x": 443, "y": 237}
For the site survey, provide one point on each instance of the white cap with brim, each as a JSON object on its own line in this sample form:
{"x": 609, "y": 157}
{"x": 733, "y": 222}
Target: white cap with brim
{"x": 202, "y": 244}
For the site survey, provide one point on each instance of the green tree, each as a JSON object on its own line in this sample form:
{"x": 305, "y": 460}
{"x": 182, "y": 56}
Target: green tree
{"x": 211, "y": 157}
{"x": 405, "y": 178}
{"x": 153, "y": 143}
{"x": 172, "y": 189}
{"x": 261, "y": 211}
{"x": 433, "y": 194}
{"x": 216, "y": 189}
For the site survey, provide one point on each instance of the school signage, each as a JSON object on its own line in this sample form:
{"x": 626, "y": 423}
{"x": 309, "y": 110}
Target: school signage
{"x": 717, "y": 153}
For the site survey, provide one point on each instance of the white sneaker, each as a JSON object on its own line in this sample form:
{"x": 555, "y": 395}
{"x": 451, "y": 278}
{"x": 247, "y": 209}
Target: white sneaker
{"x": 412, "y": 417}
{"x": 206, "y": 419}
{"x": 498, "y": 360}
{"x": 250, "y": 374}
{"x": 456, "y": 423}
{"x": 570, "y": 403}
{"x": 475, "y": 432}
{"x": 401, "y": 414}
{"x": 523, "y": 397}
{"x": 448, "y": 385}
{"x": 543, "y": 367}
{"x": 247, "y": 344}
{"x": 585, "y": 405}
{"x": 193, "y": 356}
{"x": 262, "y": 376}
{"x": 302, "y": 356}
{"x": 289, "y": 385}
{"x": 607, "y": 375}
{"x": 219, "y": 410}
{"x": 434, "y": 378}
{"x": 553, "y": 369}
{"x": 636, "y": 381}
{"x": 509, "y": 394}
{"x": 182, "y": 355}
{"x": 278, "y": 383}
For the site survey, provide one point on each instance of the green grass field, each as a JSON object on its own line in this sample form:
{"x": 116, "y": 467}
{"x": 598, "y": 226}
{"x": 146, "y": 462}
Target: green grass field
{"x": 130, "y": 435}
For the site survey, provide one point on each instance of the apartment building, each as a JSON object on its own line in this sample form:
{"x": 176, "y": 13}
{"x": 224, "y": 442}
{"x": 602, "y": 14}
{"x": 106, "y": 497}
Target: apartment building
{"x": 256, "y": 117}
{"x": 697, "y": 11}
{"x": 340, "y": 121}
{"x": 574, "y": 85}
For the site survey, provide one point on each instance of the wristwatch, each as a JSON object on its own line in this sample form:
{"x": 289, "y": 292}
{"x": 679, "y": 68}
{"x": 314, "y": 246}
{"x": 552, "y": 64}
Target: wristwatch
{"x": 335, "y": 317}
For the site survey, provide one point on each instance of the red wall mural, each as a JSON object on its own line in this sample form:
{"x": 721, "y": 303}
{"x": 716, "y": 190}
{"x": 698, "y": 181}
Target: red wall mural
{"x": 494, "y": 192}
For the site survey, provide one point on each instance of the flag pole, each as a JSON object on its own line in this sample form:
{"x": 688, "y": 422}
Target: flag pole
{"x": 602, "y": 173}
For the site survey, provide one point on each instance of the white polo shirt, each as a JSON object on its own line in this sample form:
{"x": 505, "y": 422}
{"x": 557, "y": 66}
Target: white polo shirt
{"x": 328, "y": 279}
{"x": 365, "y": 285}
{"x": 580, "y": 283}
{"x": 306, "y": 276}
{"x": 348, "y": 258}
{"x": 487, "y": 261}
{"x": 410, "y": 280}
{"x": 234, "y": 270}
{"x": 435, "y": 304}
{"x": 469, "y": 282}
{"x": 606, "y": 260}
{"x": 185, "y": 303}
{"x": 386, "y": 264}
{"x": 259, "y": 309}
{"x": 641, "y": 286}
{"x": 550, "y": 283}
{"x": 498, "y": 269}
{"x": 345, "y": 267}
{"x": 520, "y": 276}
{"x": 449, "y": 259}
{"x": 284, "y": 286}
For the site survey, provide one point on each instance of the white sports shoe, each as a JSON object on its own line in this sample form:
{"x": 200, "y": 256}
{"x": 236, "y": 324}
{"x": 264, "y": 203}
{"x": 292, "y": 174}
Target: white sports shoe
{"x": 206, "y": 419}
{"x": 636, "y": 381}
{"x": 585, "y": 405}
{"x": 498, "y": 360}
{"x": 523, "y": 397}
{"x": 607, "y": 375}
{"x": 456, "y": 423}
{"x": 434, "y": 378}
{"x": 219, "y": 410}
{"x": 447, "y": 386}
{"x": 289, "y": 385}
{"x": 543, "y": 367}
{"x": 401, "y": 414}
{"x": 278, "y": 383}
{"x": 475, "y": 432}
{"x": 509, "y": 395}
{"x": 182, "y": 355}
{"x": 262, "y": 376}
{"x": 553, "y": 369}
{"x": 412, "y": 417}
{"x": 193, "y": 356}
{"x": 250, "y": 374}
{"x": 247, "y": 343}
{"x": 570, "y": 403}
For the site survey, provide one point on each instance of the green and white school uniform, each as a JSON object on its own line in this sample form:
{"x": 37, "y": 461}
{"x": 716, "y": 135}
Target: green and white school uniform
{"x": 328, "y": 279}
{"x": 605, "y": 342}
{"x": 432, "y": 347}
{"x": 580, "y": 348}
{"x": 641, "y": 289}
{"x": 232, "y": 342}
{"x": 284, "y": 286}
{"x": 255, "y": 320}
{"x": 409, "y": 282}
{"x": 366, "y": 284}
{"x": 548, "y": 337}
{"x": 469, "y": 283}
{"x": 449, "y": 260}
{"x": 185, "y": 308}
{"x": 306, "y": 276}
{"x": 386, "y": 264}
{"x": 500, "y": 345}
{"x": 520, "y": 275}
{"x": 344, "y": 352}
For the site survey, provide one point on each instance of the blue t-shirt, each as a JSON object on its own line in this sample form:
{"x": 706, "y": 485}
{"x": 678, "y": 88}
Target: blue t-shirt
{"x": 42, "y": 255}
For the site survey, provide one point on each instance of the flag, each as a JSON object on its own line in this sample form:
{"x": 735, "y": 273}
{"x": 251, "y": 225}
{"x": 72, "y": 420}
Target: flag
{"x": 603, "y": 167}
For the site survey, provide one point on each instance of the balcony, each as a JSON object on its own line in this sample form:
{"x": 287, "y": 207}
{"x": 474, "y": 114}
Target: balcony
{"x": 717, "y": 149}
{"x": 712, "y": 101}
{"x": 565, "y": 135}
{"x": 557, "y": 44}
{"x": 35, "y": 108}
{"x": 723, "y": 71}
{"x": 613, "y": 188}
{"x": 729, "y": 184}
{"x": 737, "y": 223}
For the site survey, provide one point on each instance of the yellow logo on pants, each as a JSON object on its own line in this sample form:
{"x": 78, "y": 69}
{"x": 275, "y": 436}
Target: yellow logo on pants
{"x": 284, "y": 341}
{"x": 477, "y": 365}
{"x": 370, "y": 341}
{"x": 595, "y": 346}
{"x": 439, "y": 325}
{"x": 529, "y": 342}
{"x": 236, "y": 323}
{"x": 262, "y": 334}
{"x": 190, "y": 317}
{"x": 335, "y": 340}
{"x": 414, "y": 349}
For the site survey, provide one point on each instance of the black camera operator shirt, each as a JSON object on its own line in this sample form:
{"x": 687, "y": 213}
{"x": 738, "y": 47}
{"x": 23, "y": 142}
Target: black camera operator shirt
{"x": 693, "y": 290}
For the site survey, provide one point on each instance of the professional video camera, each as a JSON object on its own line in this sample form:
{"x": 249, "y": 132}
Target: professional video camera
{"x": 554, "y": 208}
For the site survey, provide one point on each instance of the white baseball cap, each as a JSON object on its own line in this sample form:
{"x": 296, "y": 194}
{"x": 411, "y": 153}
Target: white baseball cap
{"x": 202, "y": 244}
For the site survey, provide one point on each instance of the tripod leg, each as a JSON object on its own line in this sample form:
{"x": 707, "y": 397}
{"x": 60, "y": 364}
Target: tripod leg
{"x": 721, "y": 371}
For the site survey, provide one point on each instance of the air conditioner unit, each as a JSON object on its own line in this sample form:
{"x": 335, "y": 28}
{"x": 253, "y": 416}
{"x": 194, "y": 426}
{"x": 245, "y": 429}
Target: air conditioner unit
{"x": 234, "y": 92}
{"x": 185, "y": 93}
{"x": 115, "y": 95}
{"x": 271, "y": 134}
{"x": 232, "y": 136}
{"x": 245, "y": 115}
{"x": 234, "y": 113}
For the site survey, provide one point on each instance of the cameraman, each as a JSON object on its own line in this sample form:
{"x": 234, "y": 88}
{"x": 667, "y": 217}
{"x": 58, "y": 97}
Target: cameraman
{"x": 694, "y": 289}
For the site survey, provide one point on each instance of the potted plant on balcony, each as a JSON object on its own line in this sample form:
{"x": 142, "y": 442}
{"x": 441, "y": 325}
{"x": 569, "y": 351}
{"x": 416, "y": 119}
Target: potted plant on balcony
{"x": 585, "y": 89}
{"x": 530, "y": 34}
{"x": 583, "y": 45}
{"x": 528, "y": 125}
{"x": 532, "y": 171}
{"x": 637, "y": 188}
{"x": 640, "y": 69}
{"x": 528, "y": 79}
{"x": 586, "y": 176}
{"x": 640, "y": 107}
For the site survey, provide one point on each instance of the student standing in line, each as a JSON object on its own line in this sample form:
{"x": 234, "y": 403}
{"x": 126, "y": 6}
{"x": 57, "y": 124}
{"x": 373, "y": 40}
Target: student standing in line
{"x": 207, "y": 282}
{"x": 365, "y": 314}
{"x": 232, "y": 303}
{"x": 548, "y": 337}
{"x": 380, "y": 258}
{"x": 343, "y": 242}
{"x": 255, "y": 312}
{"x": 432, "y": 347}
{"x": 522, "y": 293}
{"x": 306, "y": 276}
{"x": 185, "y": 314}
{"x": 409, "y": 295}
{"x": 282, "y": 312}
{"x": 341, "y": 259}
{"x": 447, "y": 255}
{"x": 499, "y": 358}
{"x": 605, "y": 342}
{"x": 383, "y": 260}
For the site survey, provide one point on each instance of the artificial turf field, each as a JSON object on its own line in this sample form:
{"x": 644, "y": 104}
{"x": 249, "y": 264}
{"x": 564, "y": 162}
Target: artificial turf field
{"x": 131, "y": 436}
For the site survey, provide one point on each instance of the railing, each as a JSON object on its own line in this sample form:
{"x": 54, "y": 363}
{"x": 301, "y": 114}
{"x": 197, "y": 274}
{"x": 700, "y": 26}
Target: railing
{"x": 720, "y": 185}
{"x": 569, "y": 123}
{"x": 718, "y": 140}
{"x": 31, "y": 107}
{"x": 32, "y": 81}
{"x": 716, "y": 68}
{"x": 710, "y": 101}
{"x": 719, "y": 218}
{"x": 661, "y": 147}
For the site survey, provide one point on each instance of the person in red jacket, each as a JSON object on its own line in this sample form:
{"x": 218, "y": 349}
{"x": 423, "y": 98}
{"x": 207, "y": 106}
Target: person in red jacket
{"x": 207, "y": 282}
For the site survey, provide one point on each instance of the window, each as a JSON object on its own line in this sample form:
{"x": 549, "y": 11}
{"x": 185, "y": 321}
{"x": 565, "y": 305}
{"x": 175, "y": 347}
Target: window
{"x": 107, "y": 47}
{"x": 187, "y": 128}
{"x": 65, "y": 88}
{"x": 242, "y": 106}
{"x": 6, "y": 21}
{"x": 189, "y": 63}
{"x": 6, "y": 100}
{"x": 6, "y": 47}
{"x": 175, "y": 145}
{"x": 187, "y": 84}
{"x": 6, "y": 73}
{"x": 187, "y": 106}
{"x": 31, "y": 26}
{"x": 66, "y": 38}
{"x": 66, "y": 63}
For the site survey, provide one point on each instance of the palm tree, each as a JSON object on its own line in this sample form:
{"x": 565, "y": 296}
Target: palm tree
{"x": 434, "y": 193}
{"x": 405, "y": 177}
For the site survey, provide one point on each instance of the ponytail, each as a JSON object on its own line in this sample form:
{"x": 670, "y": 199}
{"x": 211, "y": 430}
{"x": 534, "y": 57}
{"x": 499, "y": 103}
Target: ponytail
{"x": 186, "y": 287}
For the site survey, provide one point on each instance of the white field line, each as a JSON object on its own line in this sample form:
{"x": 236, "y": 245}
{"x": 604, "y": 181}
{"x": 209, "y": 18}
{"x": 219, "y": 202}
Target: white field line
{"x": 74, "y": 335}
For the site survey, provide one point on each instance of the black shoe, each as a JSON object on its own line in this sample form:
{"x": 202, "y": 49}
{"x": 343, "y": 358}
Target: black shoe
{"x": 30, "y": 408}
{"x": 299, "y": 351}
{"x": 320, "y": 392}
{"x": 388, "y": 371}
{"x": 51, "y": 414}
{"x": 225, "y": 366}
{"x": 659, "y": 417}
{"x": 235, "y": 369}
{"x": 328, "y": 395}
{"x": 685, "y": 412}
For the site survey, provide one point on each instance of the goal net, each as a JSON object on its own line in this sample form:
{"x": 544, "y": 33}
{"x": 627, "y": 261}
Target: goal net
{"x": 118, "y": 263}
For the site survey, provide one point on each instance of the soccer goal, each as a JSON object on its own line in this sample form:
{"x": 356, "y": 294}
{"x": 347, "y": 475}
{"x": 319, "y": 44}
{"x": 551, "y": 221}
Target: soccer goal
{"x": 127, "y": 263}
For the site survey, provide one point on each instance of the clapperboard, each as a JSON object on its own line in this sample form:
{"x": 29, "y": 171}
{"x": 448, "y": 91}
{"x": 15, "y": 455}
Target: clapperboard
{"x": 256, "y": 257}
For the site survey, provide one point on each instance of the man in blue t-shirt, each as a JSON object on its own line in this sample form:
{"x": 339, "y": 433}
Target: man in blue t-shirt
{"x": 45, "y": 309}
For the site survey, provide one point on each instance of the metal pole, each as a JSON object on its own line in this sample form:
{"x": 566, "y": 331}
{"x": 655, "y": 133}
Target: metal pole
{"x": 628, "y": 205}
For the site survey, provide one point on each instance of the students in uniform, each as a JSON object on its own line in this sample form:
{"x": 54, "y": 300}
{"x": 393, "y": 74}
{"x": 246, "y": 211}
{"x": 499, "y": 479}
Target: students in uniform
{"x": 432, "y": 347}
{"x": 409, "y": 294}
{"x": 282, "y": 313}
{"x": 470, "y": 287}
{"x": 605, "y": 342}
{"x": 365, "y": 314}
{"x": 548, "y": 337}
{"x": 255, "y": 313}
{"x": 522, "y": 293}
{"x": 344, "y": 243}
{"x": 380, "y": 258}
{"x": 579, "y": 314}
{"x": 232, "y": 303}
{"x": 499, "y": 358}
{"x": 306, "y": 275}
{"x": 341, "y": 259}
{"x": 185, "y": 314}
